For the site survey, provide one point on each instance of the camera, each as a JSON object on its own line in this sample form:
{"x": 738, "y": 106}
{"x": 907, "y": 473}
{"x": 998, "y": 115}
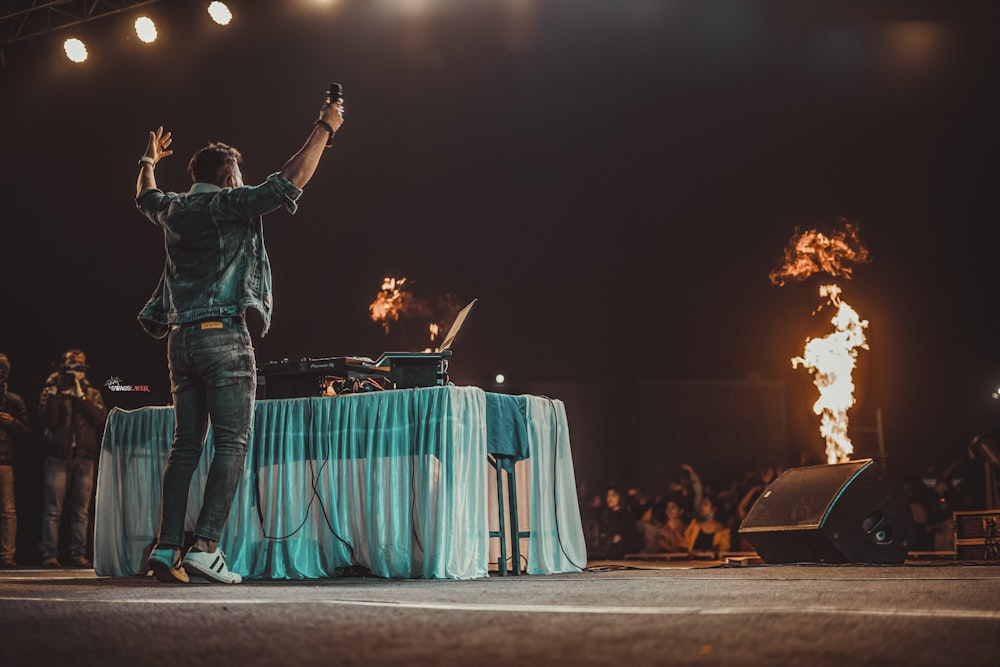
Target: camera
{"x": 66, "y": 380}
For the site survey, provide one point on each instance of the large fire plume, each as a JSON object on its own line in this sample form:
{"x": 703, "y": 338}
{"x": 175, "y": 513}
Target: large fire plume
{"x": 830, "y": 359}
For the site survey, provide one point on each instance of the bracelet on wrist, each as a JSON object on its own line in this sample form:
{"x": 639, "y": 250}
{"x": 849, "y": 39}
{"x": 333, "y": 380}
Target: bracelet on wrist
{"x": 145, "y": 159}
{"x": 326, "y": 126}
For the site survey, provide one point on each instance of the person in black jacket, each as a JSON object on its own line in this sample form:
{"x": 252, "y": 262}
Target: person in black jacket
{"x": 72, "y": 413}
{"x": 618, "y": 527}
{"x": 13, "y": 425}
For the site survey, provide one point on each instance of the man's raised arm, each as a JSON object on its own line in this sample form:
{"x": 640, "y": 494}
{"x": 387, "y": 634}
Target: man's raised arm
{"x": 156, "y": 150}
{"x": 301, "y": 166}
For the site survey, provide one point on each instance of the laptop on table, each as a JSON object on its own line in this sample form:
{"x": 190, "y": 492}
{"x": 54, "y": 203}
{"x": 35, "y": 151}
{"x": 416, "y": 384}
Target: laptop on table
{"x": 424, "y": 369}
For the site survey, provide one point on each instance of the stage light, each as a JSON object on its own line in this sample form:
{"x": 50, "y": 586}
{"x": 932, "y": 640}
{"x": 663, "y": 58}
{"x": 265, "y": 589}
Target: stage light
{"x": 145, "y": 29}
{"x": 500, "y": 379}
{"x": 220, "y": 13}
{"x": 75, "y": 50}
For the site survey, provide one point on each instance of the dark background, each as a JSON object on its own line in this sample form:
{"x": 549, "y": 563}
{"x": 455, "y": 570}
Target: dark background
{"x": 613, "y": 181}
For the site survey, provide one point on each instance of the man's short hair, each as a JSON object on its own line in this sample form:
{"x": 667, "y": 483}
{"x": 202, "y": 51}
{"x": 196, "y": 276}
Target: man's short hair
{"x": 214, "y": 163}
{"x": 67, "y": 358}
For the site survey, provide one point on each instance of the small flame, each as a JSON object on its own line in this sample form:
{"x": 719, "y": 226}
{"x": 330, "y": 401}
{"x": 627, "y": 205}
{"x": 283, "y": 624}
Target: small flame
{"x": 395, "y": 301}
{"x": 831, "y": 361}
{"x": 390, "y": 302}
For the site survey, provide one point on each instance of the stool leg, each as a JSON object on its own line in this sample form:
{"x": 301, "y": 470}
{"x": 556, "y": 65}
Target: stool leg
{"x": 502, "y": 564}
{"x": 515, "y": 527}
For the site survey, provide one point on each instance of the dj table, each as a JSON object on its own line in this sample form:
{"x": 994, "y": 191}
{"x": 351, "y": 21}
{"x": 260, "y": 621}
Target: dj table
{"x": 398, "y": 482}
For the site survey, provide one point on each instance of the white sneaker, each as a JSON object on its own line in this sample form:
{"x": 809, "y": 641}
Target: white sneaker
{"x": 212, "y": 566}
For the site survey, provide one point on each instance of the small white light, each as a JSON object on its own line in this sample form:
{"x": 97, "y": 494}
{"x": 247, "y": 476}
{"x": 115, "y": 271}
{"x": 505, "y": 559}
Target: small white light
{"x": 220, "y": 13}
{"x": 500, "y": 378}
{"x": 75, "y": 50}
{"x": 145, "y": 29}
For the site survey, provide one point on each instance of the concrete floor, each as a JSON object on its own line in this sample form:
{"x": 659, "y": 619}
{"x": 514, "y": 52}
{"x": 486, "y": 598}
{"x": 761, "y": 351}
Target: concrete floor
{"x": 648, "y": 613}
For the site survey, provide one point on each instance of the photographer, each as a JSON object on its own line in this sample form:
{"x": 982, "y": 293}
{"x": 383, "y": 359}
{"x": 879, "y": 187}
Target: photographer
{"x": 72, "y": 413}
{"x": 13, "y": 425}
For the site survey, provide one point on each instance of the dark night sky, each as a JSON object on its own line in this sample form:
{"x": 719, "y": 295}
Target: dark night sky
{"x": 612, "y": 180}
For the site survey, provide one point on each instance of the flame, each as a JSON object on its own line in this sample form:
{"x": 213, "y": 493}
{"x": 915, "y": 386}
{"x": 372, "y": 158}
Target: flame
{"x": 395, "y": 301}
{"x": 390, "y": 302}
{"x": 831, "y": 361}
{"x": 433, "y": 329}
{"x": 812, "y": 252}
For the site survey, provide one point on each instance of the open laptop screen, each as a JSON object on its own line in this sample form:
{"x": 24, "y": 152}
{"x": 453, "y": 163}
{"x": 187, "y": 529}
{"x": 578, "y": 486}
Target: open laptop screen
{"x": 455, "y": 326}
{"x": 441, "y": 352}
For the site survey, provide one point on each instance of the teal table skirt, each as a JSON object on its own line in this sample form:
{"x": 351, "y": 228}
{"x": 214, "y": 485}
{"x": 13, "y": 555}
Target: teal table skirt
{"x": 395, "y": 481}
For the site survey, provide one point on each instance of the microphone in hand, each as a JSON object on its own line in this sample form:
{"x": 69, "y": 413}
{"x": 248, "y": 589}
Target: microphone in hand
{"x": 334, "y": 95}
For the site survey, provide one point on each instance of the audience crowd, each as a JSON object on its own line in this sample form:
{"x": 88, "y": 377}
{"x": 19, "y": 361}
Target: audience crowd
{"x": 692, "y": 518}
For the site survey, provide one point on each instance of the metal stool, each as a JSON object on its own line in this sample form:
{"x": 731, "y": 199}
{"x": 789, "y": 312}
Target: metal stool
{"x": 501, "y": 463}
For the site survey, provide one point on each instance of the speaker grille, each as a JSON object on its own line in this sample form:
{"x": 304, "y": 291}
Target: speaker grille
{"x": 808, "y": 494}
{"x": 837, "y": 513}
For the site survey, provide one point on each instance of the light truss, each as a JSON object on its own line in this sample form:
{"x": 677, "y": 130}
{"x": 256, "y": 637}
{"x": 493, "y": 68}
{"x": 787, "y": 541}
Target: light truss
{"x": 23, "y": 19}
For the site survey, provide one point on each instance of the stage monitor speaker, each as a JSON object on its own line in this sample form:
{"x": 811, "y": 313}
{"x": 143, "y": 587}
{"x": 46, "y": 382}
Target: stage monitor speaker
{"x": 836, "y": 513}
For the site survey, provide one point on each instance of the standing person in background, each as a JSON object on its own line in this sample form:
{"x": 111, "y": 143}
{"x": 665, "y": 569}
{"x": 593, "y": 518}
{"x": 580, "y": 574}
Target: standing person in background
{"x": 13, "y": 426}
{"x": 216, "y": 269}
{"x": 72, "y": 413}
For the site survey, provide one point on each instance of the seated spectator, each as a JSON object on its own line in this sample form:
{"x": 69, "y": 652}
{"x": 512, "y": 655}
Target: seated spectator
{"x": 753, "y": 487}
{"x": 671, "y": 535}
{"x": 705, "y": 532}
{"x": 688, "y": 490}
{"x": 648, "y": 522}
{"x": 940, "y": 517}
{"x": 638, "y": 503}
{"x": 618, "y": 533}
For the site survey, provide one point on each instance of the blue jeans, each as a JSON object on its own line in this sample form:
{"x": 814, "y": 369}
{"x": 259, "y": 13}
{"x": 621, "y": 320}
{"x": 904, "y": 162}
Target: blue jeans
{"x": 213, "y": 375}
{"x": 74, "y": 477}
{"x": 8, "y": 514}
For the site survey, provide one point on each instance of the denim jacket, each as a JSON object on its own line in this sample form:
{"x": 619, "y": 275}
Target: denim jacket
{"x": 216, "y": 263}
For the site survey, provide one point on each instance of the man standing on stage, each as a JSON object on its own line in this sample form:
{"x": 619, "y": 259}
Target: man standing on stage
{"x": 216, "y": 269}
{"x": 13, "y": 426}
{"x": 72, "y": 413}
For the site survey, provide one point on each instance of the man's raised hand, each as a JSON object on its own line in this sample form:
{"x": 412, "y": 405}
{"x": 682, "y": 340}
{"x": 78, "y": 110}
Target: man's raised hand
{"x": 158, "y": 145}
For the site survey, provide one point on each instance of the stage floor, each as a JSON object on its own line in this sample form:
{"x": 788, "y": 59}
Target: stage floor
{"x": 613, "y": 613}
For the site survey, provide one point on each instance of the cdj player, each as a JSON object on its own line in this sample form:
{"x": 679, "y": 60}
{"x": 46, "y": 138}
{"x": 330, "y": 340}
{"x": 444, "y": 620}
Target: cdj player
{"x": 332, "y": 376}
{"x": 328, "y": 376}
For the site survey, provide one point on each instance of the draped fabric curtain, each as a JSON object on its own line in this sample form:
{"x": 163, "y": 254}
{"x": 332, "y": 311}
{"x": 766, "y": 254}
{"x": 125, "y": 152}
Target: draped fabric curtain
{"x": 393, "y": 481}
{"x": 529, "y": 438}
{"x": 557, "y": 543}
